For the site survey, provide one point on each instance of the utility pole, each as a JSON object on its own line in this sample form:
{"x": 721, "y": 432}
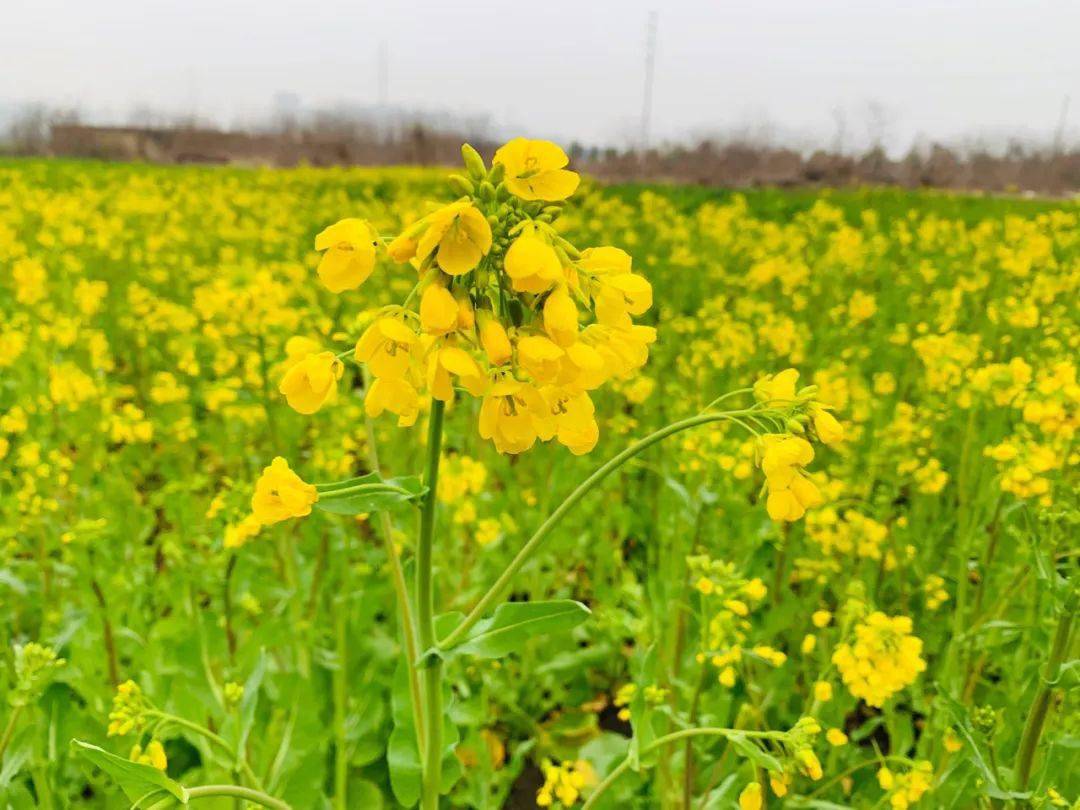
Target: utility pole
{"x": 650, "y": 63}
{"x": 1059, "y": 133}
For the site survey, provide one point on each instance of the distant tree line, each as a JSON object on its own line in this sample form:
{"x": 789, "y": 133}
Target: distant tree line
{"x": 381, "y": 137}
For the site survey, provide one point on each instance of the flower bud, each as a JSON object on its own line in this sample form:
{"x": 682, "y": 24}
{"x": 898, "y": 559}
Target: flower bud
{"x": 498, "y": 172}
{"x": 473, "y": 162}
{"x": 567, "y": 248}
{"x": 493, "y": 338}
{"x": 466, "y": 318}
{"x": 461, "y": 185}
{"x": 487, "y": 191}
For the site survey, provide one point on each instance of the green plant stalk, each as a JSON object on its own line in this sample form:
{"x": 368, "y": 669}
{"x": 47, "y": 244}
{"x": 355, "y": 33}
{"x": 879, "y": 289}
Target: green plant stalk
{"x": 9, "y": 729}
{"x": 216, "y": 739}
{"x": 340, "y": 686}
{"x": 401, "y": 593}
{"x": 1040, "y": 707}
{"x": 496, "y": 591}
{"x": 425, "y": 616}
{"x": 660, "y": 742}
{"x": 267, "y": 395}
{"x": 237, "y": 792}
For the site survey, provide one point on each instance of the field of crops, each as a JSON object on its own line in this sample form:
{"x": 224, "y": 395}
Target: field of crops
{"x": 784, "y": 513}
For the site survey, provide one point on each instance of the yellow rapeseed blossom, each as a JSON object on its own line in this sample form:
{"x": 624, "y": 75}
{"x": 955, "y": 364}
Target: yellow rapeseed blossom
{"x": 534, "y": 170}
{"x": 883, "y": 659}
{"x": 281, "y": 494}
{"x": 312, "y": 382}
{"x": 564, "y": 782}
{"x": 750, "y": 798}
{"x": 153, "y": 755}
{"x": 349, "y": 256}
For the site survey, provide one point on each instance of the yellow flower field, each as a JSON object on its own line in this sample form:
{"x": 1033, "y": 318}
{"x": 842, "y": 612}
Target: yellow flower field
{"x": 363, "y": 488}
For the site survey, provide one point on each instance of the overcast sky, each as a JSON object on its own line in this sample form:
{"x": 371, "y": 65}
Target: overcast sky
{"x": 940, "y": 69}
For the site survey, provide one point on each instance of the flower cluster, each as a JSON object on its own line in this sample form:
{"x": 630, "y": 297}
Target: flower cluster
{"x": 130, "y": 710}
{"x": 153, "y": 755}
{"x": 497, "y": 311}
{"x": 727, "y": 600}
{"x": 783, "y": 456}
{"x": 35, "y": 664}
{"x": 884, "y": 658}
{"x": 798, "y": 757}
{"x": 564, "y": 782}
{"x": 905, "y": 789}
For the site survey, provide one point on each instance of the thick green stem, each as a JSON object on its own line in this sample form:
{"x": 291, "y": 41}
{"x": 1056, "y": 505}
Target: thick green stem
{"x": 237, "y": 792}
{"x": 1040, "y": 707}
{"x": 488, "y": 600}
{"x": 425, "y": 614}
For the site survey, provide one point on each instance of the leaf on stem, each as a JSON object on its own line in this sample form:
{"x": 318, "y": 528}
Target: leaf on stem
{"x": 513, "y": 623}
{"x": 138, "y": 781}
{"x": 367, "y": 493}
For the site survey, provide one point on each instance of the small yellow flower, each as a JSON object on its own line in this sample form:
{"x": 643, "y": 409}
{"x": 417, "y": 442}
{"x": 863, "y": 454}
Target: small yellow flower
{"x": 828, "y": 428}
{"x": 438, "y": 310}
{"x": 532, "y": 264}
{"x": 836, "y": 737}
{"x": 458, "y": 235}
{"x": 823, "y": 691}
{"x": 750, "y": 798}
{"x": 349, "y": 257}
{"x": 312, "y": 382}
{"x": 534, "y": 170}
{"x": 281, "y": 494}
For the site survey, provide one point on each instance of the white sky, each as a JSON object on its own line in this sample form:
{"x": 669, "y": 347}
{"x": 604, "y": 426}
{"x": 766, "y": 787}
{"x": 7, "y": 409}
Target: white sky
{"x": 940, "y": 69}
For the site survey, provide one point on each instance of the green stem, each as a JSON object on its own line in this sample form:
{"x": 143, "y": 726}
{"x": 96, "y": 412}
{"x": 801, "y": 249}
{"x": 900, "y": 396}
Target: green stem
{"x": 9, "y": 729}
{"x": 267, "y": 395}
{"x": 688, "y": 755}
{"x": 425, "y": 614}
{"x": 401, "y": 593}
{"x": 503, "y": 582}
{"x": 217, "y": 740}
{"x": 340, "y": 685}
{"x": 237, "y": 792}
{"x": 1040, "y": 707}
{"x": 659, "y": 742}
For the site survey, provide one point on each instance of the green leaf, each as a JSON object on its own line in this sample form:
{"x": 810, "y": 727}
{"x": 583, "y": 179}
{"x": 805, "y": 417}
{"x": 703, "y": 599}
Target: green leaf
{"x": 250, "y": 700}
{"x": 138, "y": 781}
{"x": 367, "y": 493}
{"x": 640, "y": 710}
{"x": 513, "y": 623}
{"x": 962, "y": 724}
{"x": 754, "y": 752}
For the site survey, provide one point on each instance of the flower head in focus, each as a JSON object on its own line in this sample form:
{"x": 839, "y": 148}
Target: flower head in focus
{"x": 349, "y": 254}
{"x": 534, "y": 170}
{"x": 281, "y": 494}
